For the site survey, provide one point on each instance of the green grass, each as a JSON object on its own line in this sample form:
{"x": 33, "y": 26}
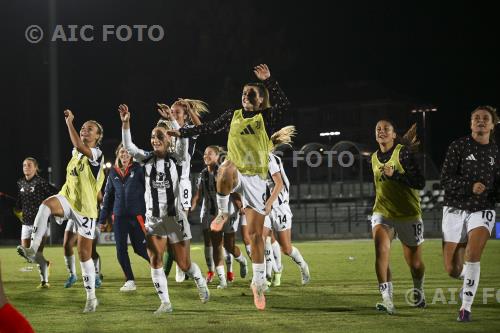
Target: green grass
{"x": 341, "y": 296}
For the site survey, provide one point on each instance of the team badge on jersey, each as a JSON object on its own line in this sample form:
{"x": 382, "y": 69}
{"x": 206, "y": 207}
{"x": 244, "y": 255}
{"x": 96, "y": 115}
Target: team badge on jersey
{"x": 160, "y": 181}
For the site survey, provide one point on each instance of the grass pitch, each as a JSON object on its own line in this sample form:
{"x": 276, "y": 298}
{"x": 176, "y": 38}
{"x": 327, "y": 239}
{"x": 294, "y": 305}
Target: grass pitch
{"x": 341, "y": 296}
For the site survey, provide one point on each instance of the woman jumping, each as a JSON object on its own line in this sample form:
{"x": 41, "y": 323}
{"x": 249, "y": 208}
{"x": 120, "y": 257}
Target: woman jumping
{"x": 246, "y": 166}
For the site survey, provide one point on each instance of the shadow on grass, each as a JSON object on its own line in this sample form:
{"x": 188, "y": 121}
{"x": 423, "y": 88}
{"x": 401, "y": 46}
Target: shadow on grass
{"x": 313, "y": 309}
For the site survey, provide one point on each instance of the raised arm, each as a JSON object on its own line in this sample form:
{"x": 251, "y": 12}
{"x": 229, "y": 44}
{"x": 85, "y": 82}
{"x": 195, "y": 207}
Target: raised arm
{"x": 181, "y": 145}
{"x": 166, "y": 113}
{"x": 210, "y": 127}
{"x": 278, "y": 99}
{"x": 75, "y": 137}
{"x": 132, "y": 149}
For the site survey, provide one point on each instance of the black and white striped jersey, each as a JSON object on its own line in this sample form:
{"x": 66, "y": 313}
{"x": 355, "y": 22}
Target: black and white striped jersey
{"x": 162, "y": 187}
{"x": 275, "y": 166}
{"x": 186, "y": 147}
{"x": 161, "y": 180}
{"x": 192, "y": 141}
{"x": 207, "y": 184}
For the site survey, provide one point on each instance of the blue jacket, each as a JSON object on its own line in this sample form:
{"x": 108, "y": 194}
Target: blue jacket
{"x": 124, "y": 194}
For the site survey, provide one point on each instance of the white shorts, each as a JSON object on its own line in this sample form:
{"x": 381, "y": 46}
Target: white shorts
{"x": 26, "y": 231}
{"x": 253, "y": 189}
{"x": 280, "y": 218}
{"x": 86, "y": 226}
{"x": 71, "y": 226}
{"x": 175, "y": 228}
{"x": 186, "y": 193}
{"x": 458, "y": 223}
{"x": 410, "y": 233}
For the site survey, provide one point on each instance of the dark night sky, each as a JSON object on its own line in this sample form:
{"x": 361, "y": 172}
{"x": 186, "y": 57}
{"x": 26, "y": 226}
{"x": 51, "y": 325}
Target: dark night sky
{"x": 442, "y": 54}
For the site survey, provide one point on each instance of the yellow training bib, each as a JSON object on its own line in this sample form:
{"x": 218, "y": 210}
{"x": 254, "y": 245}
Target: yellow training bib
{"x": 394, "y": 200}
{"x": 248, "y": 144}
{"x": 81, "y": 186}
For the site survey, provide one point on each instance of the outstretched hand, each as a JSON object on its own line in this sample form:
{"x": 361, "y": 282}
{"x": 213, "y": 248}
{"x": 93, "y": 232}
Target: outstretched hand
{"x": 262, "y": 72}
{"x": 68, "y": 115}
{"x": 124, "y": 113}
{"x": 165, "y": 111}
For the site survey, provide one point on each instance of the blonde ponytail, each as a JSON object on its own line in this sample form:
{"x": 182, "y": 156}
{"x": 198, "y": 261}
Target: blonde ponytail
{"x": 195, "y": 106}
{"x": 283, "y": 136}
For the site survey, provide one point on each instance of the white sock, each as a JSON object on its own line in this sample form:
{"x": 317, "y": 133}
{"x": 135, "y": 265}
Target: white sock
{"x": 384, "y": 290}
{"x": 391, "y": 289}
{"x": 277, "y": 254}
{"x": 209, "y": 258}
{"x": 88, "y": 275}
{"x": 268, "y": 255}
{"x": 461, "y": 276}
{"x": 195, "y": 273}
{"x": 40, "y": 226}
{"x": 70, "y": 264}
{"x": 248, "y": 248}
{"x": 42, "y": 264}
{"x": 471, "y": 282}
{"x": 97, "y": 264}
{"x": 160, "y": 284}
{"x": 180, "y": 276}
{"x": 297, "y": 257}
{"x": 223, "y": 203}
{"x": 221, "y": 274}
{"x": 259, "y": 273}
{"x": 229, "y": 260}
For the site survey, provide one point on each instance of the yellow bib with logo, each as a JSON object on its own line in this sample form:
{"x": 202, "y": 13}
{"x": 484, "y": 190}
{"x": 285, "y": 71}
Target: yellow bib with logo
{"x": 81, "y": 186}
{"x": 394, "y": 200}
{"x": 248, "y": 145}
